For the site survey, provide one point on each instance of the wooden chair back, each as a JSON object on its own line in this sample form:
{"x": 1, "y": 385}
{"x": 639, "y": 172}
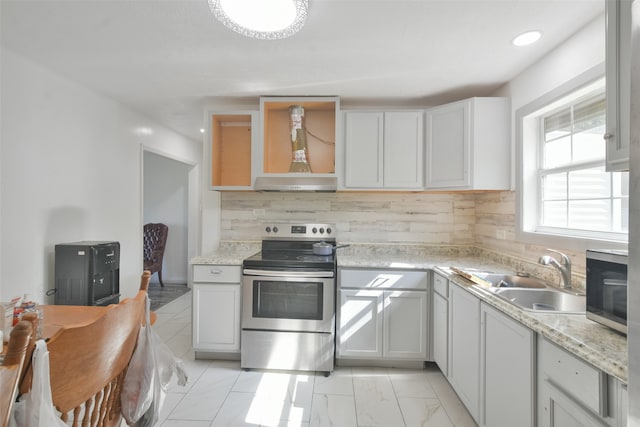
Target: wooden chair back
{"x": 11, "y": 367}
{"x": 88, "y": 363}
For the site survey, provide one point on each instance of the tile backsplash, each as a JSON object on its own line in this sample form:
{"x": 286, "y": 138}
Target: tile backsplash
{"x": 440, "y": 218}
{"x": 485, "y": 219}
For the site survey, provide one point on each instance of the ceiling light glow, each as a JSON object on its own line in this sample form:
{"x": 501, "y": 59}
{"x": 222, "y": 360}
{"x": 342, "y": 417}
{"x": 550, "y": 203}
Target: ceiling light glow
{"x": 261, "y": 19}
{"x": 527, "y": 38}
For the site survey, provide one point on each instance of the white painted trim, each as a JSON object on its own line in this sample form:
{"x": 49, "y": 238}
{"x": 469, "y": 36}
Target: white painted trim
{"x": 194, "y": 203}
{"x": 538, "y": 238}
{"x": 167, "y": 155}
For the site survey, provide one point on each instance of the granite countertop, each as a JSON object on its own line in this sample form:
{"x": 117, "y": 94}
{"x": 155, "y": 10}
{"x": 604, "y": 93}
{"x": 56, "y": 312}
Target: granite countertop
{"x": 229, "y": 253}
{"x": 600, "y": 346}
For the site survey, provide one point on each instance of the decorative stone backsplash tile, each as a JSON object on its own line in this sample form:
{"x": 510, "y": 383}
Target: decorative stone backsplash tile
{"x": 359, "y": 217}
{"x": 475, "y": 219}
{"x": 496, "y": 211}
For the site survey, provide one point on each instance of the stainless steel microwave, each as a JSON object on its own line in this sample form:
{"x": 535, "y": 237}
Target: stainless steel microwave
{"x": 607, "y": 288}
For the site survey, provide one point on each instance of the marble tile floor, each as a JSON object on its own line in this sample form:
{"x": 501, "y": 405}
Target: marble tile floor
{"x": 162, "y": 295}
{"x": 219, "y": 393}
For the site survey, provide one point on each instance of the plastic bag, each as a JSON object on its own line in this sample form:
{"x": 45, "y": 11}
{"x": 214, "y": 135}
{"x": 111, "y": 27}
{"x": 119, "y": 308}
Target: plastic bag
{"x": 35, "y": 408}
{"x": 137, "y": 389}
{"x": 167, "y": 363}
{"x": 150, "y": 370}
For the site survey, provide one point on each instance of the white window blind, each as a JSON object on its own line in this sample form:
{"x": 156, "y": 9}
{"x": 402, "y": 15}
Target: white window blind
{"x": 577, "y": 196}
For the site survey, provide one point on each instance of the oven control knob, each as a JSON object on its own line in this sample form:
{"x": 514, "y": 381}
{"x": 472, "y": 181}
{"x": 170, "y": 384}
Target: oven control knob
{"x": 268, "y": 229}
{"x": 314, "y": 230}
{"x": 328, "y": 230}
{"x": 321, "y": 230}
{"x": 275, "y": 229}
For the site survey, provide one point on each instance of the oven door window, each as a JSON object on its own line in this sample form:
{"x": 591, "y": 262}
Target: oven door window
{"x": 287, "y": 300}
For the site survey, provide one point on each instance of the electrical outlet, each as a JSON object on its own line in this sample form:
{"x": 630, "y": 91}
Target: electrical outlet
{"x": 501, "y": 234}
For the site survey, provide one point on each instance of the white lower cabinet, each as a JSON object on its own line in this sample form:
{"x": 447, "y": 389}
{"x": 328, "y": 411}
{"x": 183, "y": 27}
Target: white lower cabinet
{"x": 404, "y": 331}
{"x": 559, "y": 410}
{"x": 507, "y": 371}
{"x": 464, "y": 350}
{"x": 441, "y": 323}
{"x": 618, "y": 401}
{"x": 377, "y": 319}
{"x": 571, "y": 392}
{"x": 491, "y": 358}
{"x": 360, "y": 323}
{"x": 507, "y": 375}
{"x": 216, "y": 308}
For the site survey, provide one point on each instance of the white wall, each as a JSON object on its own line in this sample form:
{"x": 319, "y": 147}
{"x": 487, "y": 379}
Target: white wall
{"x": 580, "y": 52}
{"x": 584, "y": 50}
{"x": 166, "y": 191}
{"x": 70, "y": 170}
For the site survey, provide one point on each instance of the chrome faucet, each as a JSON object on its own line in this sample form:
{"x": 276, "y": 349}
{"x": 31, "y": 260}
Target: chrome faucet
{"x": 564, "y": 267}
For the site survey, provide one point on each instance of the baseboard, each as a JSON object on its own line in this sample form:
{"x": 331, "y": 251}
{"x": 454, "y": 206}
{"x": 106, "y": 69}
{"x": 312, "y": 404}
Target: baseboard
{"x": 404, "y": 364}
{"x": 169, "y": 282}
{"x": 216, "y": 355}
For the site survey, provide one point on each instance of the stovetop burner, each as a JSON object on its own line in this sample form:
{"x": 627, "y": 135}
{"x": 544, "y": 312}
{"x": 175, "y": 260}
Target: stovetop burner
{"x": 290, "y": 260}
{"x": 290, "y": 246}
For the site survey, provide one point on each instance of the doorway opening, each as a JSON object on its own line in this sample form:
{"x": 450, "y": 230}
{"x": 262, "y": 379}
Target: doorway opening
{"x": 168, "y": 198}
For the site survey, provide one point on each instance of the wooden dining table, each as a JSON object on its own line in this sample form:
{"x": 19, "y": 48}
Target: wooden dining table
{"x": 57, "y": 317}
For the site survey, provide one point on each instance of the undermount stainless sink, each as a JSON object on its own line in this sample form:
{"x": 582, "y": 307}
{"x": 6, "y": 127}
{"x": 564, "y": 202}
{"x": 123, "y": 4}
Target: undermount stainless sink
{"x": 543, "y": 300}
{"x": 513, "y": 281}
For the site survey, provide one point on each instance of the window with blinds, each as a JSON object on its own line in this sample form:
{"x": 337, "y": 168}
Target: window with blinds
{"x": 576, "y": 195}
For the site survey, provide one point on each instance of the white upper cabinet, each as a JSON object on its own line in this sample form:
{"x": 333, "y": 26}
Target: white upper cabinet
{"x": 618, "y": 69}
{"x": 384, "y": 150}
{"x": 468, "y": 145}
{"x": 364, "y": 133}
{"x": 403, "y": 149}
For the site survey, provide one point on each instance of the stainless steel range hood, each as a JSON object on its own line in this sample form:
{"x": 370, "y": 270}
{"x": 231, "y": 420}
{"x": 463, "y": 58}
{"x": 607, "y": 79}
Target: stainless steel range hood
{"x": 327, "y": 184}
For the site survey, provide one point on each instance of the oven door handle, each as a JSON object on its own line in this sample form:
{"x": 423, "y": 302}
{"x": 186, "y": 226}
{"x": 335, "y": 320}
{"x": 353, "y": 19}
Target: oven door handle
{"x": 271, "y": 273}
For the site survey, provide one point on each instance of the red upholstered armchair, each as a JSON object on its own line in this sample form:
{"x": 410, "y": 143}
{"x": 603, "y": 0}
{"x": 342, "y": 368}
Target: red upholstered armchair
{"x": 155, "y": 239}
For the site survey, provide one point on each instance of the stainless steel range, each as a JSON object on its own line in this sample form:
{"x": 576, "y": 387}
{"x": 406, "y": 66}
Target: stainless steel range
{"x": 288, "y": 301}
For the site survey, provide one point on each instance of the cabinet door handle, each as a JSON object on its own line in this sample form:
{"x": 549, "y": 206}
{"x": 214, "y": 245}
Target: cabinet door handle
{"x": 378, "y": 281}
{"x": 216, "y": 271}
{"x": 609, "y": 136}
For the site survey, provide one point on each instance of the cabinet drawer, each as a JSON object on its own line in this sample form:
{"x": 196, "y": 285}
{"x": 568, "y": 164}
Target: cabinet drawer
{"x": 216, "y": 273}
{"x": 441, "y": 285}
{"x": 383, "y": 279}
{"x": 577, "y": 378}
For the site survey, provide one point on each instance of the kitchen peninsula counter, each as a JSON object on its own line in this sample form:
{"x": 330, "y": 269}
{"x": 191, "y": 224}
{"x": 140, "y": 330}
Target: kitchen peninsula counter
{"x": 600, "y": 346}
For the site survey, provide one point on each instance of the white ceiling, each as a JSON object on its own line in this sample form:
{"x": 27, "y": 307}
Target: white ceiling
{"x": 170, "y": 58}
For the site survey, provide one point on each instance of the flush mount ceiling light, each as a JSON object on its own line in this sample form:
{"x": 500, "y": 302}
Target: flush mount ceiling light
{"x": 261, "y": 19}
{"x": 527, "y": 38}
